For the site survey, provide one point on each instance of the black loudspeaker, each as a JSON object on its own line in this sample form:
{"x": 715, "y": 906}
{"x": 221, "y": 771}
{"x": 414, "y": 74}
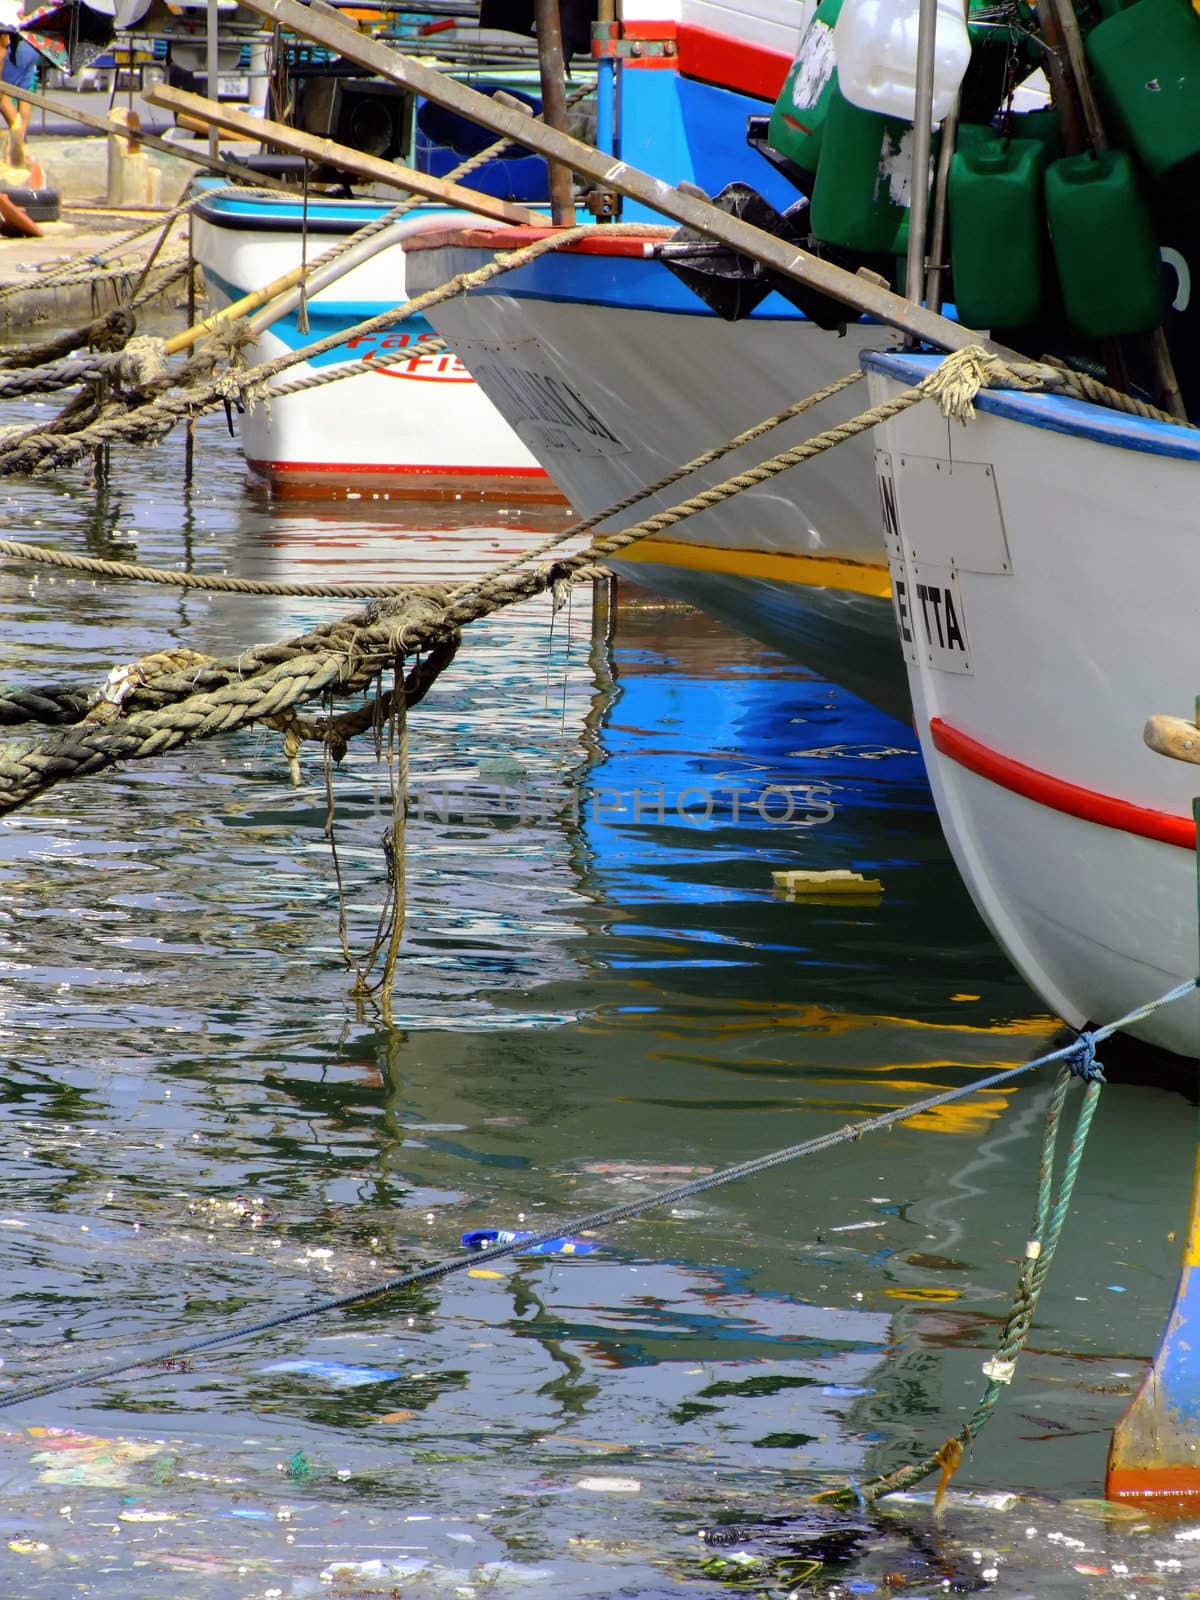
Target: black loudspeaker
{"x": 363, "y": 113}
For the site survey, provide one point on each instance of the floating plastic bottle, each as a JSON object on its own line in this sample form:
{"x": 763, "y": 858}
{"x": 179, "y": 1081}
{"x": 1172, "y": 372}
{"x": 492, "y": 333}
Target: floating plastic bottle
{"x": 798, "y": 116}
{"x": 1105, "y": 250}
{"x": 997, "y": 225}
{"x": 487, "y": 1238}
{"x": 875, "y": 44}
{"x": 1146, "y": 62}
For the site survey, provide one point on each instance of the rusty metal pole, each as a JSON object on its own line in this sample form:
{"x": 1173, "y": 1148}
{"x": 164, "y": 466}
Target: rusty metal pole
{"x": 552, "y": 66}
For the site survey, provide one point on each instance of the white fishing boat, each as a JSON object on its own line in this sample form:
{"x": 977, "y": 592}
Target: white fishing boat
{"x": 613, "y": 373}
{"x": 1043, "y": 572}
{"x": 423, "y": 425}
{"x": 418, "y": 427}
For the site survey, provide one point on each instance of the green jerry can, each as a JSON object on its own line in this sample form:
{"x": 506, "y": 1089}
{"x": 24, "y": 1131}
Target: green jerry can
{"x": 864, "y": 178}
{"x": 1104, "y": 245}
{"x": 1146, "y": 62}
{"x": 997, "y": 226}
{"x": 798, "y": 116}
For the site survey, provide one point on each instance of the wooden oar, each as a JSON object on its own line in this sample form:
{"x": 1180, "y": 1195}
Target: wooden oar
{"x": 198, "y": 158}
{"x": 319, "y": 24}
{"x": 330, "y": 153}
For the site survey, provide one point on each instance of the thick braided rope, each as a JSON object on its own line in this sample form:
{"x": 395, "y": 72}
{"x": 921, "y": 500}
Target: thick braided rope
{"x": 350, "y": 654}
{"x": 396, "y": 629}
{"x": 26, "y": 773}
{"x": 56, "y": 375}
{"x": 169, "y": 577}
{"x": 52, "y": 704}
{"x": 1085, "y": 387}
{"x": 108, "y": 332}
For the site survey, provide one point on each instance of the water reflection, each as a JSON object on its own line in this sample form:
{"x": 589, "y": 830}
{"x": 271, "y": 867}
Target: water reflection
{"x": 596, "y": 997}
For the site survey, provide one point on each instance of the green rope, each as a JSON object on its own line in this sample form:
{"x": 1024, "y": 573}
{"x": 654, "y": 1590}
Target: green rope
{"x": 1049, "y": 1215}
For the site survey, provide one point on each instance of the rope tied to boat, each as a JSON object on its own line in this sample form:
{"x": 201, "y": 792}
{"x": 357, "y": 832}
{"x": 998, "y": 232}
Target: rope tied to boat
{"x": 1082, "y": 1062}
{"x": 1050, "y": 1213}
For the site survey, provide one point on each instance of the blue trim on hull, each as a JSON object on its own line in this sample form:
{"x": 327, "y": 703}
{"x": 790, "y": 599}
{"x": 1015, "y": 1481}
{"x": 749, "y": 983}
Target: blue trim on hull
{"x": 1055, "y": 413}
{"x": 620, "y": 282}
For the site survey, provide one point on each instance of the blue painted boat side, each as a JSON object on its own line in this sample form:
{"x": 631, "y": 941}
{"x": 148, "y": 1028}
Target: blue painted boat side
{"x": 621, "y": 282}
{"x": 1053, "y": 412}
{"x": 680, "y": 130}
{"x": 232, "y": 209}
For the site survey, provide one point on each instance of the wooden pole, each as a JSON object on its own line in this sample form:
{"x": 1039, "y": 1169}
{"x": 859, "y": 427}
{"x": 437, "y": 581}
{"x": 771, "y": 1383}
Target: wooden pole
{"x": 237, "y": 308}
{"x": 198, "y": 158}
{"x": 688, "y": 209}
{"x": 552, "y": 67}
{"x": 329, "y": 153}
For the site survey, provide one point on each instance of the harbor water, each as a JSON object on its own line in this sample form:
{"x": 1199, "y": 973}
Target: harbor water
{"x": 599, "y": 993}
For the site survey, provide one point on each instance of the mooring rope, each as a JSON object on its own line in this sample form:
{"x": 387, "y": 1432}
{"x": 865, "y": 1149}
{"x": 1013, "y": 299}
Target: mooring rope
{"x": 1042, "y": 1243}
{"x": 346, "y": 655}
{"x": 1079, "y": 1054}
{"x": 669, "y": 479}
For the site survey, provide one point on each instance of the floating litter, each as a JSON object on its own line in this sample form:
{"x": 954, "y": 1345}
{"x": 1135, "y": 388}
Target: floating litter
{"x": 798, "y": 881}
{"x": 609, "y": 1485}
{"x": 335, "y": 1373}
{"x": 485, "y": 1238}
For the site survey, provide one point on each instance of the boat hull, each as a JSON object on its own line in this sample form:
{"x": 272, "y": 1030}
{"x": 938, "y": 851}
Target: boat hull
{"x": 422, "y": 427}
{"x": 1043, "y": 564}
{"x": 613, "y": 375}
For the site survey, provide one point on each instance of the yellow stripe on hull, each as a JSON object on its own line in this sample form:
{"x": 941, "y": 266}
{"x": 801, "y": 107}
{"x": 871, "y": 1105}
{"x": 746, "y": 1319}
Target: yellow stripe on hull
{"x": 816, "y": 572}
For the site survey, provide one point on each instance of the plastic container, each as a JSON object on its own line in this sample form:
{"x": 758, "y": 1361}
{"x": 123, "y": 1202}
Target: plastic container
{"x": 1104, "y": 245}
{"x": 875, "y": 43}
{"x": 798, "y": 116}
{"x": 1146, "y": 62}
{"x": 864, "y": 180}
{"x": 997, "y": 228}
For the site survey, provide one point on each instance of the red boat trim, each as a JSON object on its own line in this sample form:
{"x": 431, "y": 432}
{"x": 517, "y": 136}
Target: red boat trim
{"x": 708, "y": 55}
{"x": 1057, "y": 794}
{"x": 731, "y": 63}
{"x": 515, "y": 237}
{"x": 352, "y": 469}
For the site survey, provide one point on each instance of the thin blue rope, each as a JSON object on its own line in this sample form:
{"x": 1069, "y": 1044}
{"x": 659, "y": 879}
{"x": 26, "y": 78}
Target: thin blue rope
{"x": 434, "y": 1271}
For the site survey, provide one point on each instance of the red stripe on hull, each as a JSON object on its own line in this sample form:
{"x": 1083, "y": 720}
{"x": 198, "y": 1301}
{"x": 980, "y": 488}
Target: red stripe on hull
{"x": 1058, "y": 795}
{"x": 731, "y": 63}
{"x": 354, "y": 469}
{"x": 333, "y": 479}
